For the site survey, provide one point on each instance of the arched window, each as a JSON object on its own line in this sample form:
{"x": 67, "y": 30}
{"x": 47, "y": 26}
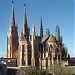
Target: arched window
{"x": 24, "y": 47}
{"x": 46, "y": 63}
{"x": 50, "y": 47}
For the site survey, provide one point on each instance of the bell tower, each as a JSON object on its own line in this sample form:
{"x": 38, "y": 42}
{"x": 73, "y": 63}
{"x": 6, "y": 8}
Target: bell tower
{"x": 12, "y": 37}
{"x": 24, "y": 51}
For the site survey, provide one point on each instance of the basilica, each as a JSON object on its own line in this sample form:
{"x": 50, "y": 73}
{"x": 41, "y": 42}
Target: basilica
{"x": 43, "y": 51}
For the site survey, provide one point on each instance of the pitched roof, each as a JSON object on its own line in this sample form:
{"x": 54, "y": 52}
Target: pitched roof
{"x": 51, "y": 39}
{"x": 44, "y": 38}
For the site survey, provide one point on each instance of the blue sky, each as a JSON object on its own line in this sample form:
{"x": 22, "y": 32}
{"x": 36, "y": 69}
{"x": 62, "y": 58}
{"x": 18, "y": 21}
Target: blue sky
{"x": 53, "y": 12}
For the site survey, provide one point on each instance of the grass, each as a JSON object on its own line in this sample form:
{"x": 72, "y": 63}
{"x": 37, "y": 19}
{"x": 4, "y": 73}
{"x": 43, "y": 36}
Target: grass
{"x": 65, "y": 71}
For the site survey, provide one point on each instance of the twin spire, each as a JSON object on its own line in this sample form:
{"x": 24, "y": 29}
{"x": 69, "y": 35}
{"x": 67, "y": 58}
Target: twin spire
{"x": 12, "y": 21}
{"x": 25, "y": 18}
{"x": 25, "y": 29}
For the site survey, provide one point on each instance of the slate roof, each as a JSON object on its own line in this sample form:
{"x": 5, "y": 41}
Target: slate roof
{"x": 44, "y": 38}
{"x": 49, "y": 38}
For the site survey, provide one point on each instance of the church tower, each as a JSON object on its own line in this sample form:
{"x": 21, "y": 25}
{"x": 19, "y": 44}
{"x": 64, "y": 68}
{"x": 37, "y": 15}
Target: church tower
{"x": 24, "y": 45}
{"x": 12, "y": 37}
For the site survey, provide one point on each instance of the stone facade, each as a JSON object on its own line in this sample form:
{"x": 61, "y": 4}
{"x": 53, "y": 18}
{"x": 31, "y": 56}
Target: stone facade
{"x": 44, "y": 51}
{"x": 12, "y": 38}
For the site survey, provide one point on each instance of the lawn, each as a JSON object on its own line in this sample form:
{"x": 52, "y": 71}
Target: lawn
{"x": 66, "y": 71}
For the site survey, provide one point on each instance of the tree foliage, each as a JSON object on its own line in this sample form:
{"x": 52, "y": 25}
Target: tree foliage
{"x": 34, "y": 71}
{"x": 31, "y": 71}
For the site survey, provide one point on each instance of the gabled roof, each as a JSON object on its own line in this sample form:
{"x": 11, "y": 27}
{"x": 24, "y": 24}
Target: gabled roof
{"x": 44, "y": 38}
{"x": 51, "y": 39}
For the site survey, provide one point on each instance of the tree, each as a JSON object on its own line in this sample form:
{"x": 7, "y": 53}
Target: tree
{"x": 32, "y": 71}
{"x": 26, "y": 71}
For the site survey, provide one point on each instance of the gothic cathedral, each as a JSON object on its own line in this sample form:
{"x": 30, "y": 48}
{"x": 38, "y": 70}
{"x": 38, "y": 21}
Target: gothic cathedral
{"x": 43, "y": 52}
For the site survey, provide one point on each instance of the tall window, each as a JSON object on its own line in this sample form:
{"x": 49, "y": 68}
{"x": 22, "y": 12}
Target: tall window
{"x": 46, "y": 63}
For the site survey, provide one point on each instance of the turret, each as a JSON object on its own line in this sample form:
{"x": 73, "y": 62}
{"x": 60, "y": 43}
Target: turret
{"x": 33, "y": 31}
{"x": 47, "y": 32}
{"x": 57, "y": 33}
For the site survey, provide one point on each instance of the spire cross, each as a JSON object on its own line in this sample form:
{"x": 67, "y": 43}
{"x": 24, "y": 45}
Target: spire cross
{"x": 12, "y": 1}
{"x": 25, "y": 5}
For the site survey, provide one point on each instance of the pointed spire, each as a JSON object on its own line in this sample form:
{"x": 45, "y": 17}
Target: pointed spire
{"x": 41, "y": 29}
{"x": 33, "y": 29}
{"x": 57, "y": 33}
{"x": 25, "y": 27}
{"x": 47, "y": 32}
{"x": 25, "y": 18}
{"x": 12, "y": 21}
{"x": 21, "y": 32}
